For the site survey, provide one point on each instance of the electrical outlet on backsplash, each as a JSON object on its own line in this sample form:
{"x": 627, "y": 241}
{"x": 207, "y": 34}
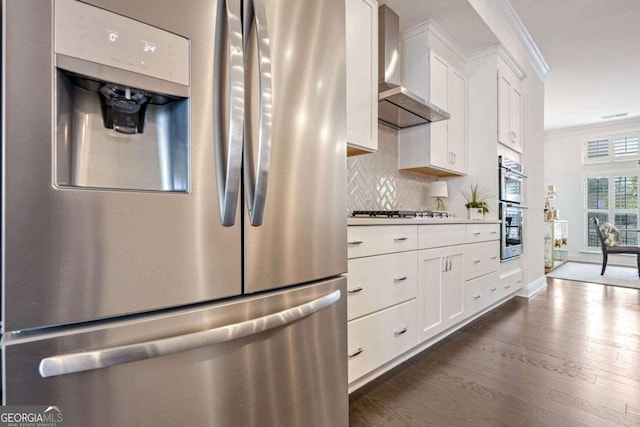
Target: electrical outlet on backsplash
{"x": 375, "y": 183}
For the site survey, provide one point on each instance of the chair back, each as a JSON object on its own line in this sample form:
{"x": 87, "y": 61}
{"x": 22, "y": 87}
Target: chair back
{"x": 600, "y": 236}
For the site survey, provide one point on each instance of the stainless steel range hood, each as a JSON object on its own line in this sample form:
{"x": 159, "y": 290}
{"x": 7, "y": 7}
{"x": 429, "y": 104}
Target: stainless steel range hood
{"x": 398, "y": 107}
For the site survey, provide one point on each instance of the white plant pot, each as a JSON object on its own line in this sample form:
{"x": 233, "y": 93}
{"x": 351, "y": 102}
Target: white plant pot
{"x": 475, "y": 214}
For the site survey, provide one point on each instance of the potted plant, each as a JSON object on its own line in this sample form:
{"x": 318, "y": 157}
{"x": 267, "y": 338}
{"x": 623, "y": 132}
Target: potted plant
{"x": 476, "y": 202}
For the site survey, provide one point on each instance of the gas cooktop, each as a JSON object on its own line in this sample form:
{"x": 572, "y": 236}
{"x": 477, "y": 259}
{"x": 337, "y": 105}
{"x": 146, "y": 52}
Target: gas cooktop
{"x": 400, "y": 214}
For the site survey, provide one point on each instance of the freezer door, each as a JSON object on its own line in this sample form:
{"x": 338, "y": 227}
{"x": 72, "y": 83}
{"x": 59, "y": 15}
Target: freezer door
{"x": 294, "y": 374}
{"x": 295, "y": 143}
{"x": 74, "y": 252}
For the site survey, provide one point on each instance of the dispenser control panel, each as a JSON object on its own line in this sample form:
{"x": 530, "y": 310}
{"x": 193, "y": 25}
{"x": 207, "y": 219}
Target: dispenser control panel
{"x": 93, "y": 34}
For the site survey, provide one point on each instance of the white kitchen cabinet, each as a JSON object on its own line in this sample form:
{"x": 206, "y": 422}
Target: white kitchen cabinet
{"x": 362, "y": 76}
{"x": 509, "y": 107}
{"x": 380, "y": 281}
{"x": 366, "y": 240}
{"x": 440, "y": 290}
{"x": 431, "y": 67}
{"x": 377, "y": 338}
{"x": 482, "y": 258}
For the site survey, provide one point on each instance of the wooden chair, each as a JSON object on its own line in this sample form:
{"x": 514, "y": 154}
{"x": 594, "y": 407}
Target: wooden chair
{"x": 615, "y": 249}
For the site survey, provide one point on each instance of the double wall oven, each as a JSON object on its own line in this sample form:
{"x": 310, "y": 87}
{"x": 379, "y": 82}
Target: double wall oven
{"x": 512, "y": 178}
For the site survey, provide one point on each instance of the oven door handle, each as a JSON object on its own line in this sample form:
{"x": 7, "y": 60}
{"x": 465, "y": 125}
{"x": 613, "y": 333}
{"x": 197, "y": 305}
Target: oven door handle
{"x": 514, "y": 205}
{"x": 509, "y": 170}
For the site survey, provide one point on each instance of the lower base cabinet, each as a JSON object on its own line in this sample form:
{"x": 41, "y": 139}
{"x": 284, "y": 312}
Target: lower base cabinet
{"x": 410, "y": 286}
{"x": 440, "y": 290}
{"x": 379, "y": 337}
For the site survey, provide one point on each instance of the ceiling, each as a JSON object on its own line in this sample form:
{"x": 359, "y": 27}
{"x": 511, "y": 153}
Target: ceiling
{"x": 592, "y": 48}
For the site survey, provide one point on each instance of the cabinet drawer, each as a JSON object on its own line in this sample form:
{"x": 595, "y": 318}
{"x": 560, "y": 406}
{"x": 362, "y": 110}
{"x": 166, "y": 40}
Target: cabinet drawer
{"x": 482, "y": 232}
{"x": 369, "y": 240}
{"x": 380, "y": 281}
{"x": 511, "y": 283}
{"x": 378, "y": 338}
{"x": 480, "y": 293}
{"x": 481, "y": 258}
{"x": 435, "y": 236}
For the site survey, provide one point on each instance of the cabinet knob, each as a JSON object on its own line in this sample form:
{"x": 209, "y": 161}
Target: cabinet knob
{"x": 477, "y": 297}
{"x": 355, "y": 353}
{"x": 355, "y": 290}
{"x": 477, "y": 261}
{"x": 400, "y": 332}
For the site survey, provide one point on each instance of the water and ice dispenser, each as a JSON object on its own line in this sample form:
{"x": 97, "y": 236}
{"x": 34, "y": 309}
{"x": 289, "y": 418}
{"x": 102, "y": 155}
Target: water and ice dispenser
{"x": 122, "y": 102}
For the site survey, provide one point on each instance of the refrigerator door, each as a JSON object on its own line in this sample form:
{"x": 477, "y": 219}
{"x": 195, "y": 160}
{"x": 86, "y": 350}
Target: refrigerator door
{"x": 295, "y": 142}
{"x": 293, "y": 374}
{"x": 75, "y": 253}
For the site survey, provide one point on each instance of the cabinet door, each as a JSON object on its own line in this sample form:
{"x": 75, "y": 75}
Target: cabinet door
{"x": 515, "y": 117}
{"x": 438, "y": 81}
{"x": 504, "y": 99}
{"x": 362, "y": 75}
{"x": 457, "y": 134}
{"x": 440, "y": 290}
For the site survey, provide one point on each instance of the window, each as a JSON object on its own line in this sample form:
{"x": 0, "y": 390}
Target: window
{"x": 612, "y": 148}
{"x": 613, "y": 198}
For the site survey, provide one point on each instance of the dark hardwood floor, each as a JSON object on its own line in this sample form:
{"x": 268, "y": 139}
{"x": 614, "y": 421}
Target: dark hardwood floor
{"x": 569, "y": 356}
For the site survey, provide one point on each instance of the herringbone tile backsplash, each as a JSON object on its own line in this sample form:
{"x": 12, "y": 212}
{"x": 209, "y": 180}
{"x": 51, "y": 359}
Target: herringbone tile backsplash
{"x": 375, "y": 183}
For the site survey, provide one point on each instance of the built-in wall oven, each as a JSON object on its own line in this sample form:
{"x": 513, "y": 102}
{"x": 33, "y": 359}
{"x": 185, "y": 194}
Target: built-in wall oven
{"x": 512, "y": 178}
{"x": 512, "y": 216}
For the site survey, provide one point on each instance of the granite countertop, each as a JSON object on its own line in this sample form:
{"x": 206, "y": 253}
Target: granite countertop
{"x": 410, "y": 221}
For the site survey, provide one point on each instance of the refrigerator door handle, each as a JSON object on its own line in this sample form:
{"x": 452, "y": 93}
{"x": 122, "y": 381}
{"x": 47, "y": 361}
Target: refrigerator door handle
{"x": 229, "y": 155}
{"x": 255, "y": 11}
{"x": 97, "y": 359}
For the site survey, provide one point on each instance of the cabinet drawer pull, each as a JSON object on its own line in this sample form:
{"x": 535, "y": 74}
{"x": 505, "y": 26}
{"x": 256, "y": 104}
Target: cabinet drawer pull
{"x": 494, "y": 289}
{"x": 356, "y": 242}
{"x": 400, "y": 239}
{"x": 477, "y": 233}
{"x": 477, "y": 297}
{"x": 518, "y": 281}
{"x": 400, "y": 332}
{"x": 494, "y": 257}
{"x": 400, "y": 279}
{"x": 494, "y": 232}
{"x": 507, "y": 286}
{"x": 476, "y": 261}
{"x": 355, "y": 290}
{"x": 357, "y": 352}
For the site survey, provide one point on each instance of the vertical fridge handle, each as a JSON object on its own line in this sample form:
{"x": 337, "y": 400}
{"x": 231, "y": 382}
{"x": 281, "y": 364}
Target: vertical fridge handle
{"x": 229, "y": 155}
{"x": 256, "y": 192}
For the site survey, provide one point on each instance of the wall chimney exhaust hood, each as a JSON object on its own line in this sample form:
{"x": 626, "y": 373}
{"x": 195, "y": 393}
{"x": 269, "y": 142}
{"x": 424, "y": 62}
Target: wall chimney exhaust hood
{"x": 398, "y": 107}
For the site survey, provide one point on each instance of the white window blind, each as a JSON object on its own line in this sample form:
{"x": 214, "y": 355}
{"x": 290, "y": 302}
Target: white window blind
{"x": 625, "y": 146}
{"x": 598, "y": 149}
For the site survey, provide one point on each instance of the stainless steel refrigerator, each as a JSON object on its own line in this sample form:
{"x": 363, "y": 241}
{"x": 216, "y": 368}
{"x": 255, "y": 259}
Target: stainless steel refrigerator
{"x": 173, "y": 216}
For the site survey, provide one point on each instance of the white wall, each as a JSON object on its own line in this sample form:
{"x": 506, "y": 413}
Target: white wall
{"x": 563, "y": 168}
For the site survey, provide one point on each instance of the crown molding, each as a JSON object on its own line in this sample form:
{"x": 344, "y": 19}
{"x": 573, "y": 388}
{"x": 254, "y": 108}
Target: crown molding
{"x": 540, "y": 66}
{"x": 500, "y": 51}
{"x": 432, "y": 27}
{"x": 600, "y": 128}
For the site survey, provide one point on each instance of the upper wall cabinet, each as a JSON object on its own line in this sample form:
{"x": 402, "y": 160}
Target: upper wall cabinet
{"x": 509, "y": 106}
{"x": 431, "y": 66}
{"x": 362, "y": 76}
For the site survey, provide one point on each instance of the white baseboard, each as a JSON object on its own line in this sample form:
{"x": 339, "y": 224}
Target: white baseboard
{"x": 534, "y": 287}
